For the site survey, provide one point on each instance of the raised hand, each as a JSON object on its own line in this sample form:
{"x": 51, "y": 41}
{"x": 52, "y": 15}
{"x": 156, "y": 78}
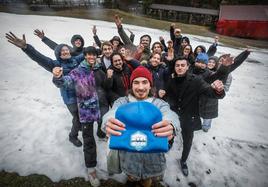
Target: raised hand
{"x": 57, "y": 72}
{"x": 140, "y": 48}
{"x": 170, "y": 44}
{"x": 216, "y": 39}
{"x": 110, "y": 73}
{"x": 227, "y": 60}
{"x": 161, "y": 38}
{"x": 12, "y": 38}
{"x": 94, "y": 30}
{"x": 118, "y": 21}
{"x": 39, "y": 33}
{"x": 217, "y": 85}
{"x": 248, "y": 48}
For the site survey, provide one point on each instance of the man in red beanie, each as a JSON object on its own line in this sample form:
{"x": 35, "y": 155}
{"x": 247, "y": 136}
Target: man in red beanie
{"x": 142, "y": 168}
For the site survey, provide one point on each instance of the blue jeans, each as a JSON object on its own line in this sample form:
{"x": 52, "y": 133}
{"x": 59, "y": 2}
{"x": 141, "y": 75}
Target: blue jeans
{"x": 206, "y": 124}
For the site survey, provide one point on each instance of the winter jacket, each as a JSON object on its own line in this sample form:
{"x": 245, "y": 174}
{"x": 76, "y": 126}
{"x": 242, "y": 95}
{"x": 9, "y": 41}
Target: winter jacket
{"x": 51, "y": 44}
{"x": 144, "y": 56}
{"x": 176, "y": 41}
{"x": 143, "y": 165}
{"x": 208, "y": 107}
{"x": 118, "y": 84}
{"x": 239, "y": 60}
{"x": 160, "y": 75}
{"x": 208, "y": 75}
{"x": 75, "y": 51}
{"x": 211, "y": 50}
{"x": 183, "y": 93}
{"x": 89, "y": 85}
{"x": 47, "y": 63}
{"x": 102, "y": 64}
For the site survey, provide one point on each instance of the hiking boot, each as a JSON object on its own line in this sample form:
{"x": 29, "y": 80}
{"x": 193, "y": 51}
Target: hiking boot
{"x": 101, "y": 134}
{"x": 184, "y": 168}
{"x": 94, "y": 181}
{"x": 75, "y": 141}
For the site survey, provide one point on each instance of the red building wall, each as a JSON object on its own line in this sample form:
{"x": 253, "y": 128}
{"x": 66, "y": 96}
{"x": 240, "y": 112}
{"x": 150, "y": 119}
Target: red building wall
{"x": 243, "y": 21}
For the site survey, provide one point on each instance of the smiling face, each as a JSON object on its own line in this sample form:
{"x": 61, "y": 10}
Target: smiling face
{"x": 184, "y": 43}
{"x": 90, "y": 58}
{"x": 186, "y": 50}
{"x": 145, "y": 41}
{"x": 122, "y": 51}
{"x": 77, "y": 43}
{"x": 65, "y": 53}
{"x": 117, "y": 62}
{"x": 141, "y": 88}
{"x": 211, "y": 64}
{"x": 157, "y": 48}
{"x": 181, "y": 67}
{"x": 107, "y": 50}
{"x": 198, "y": 50}
{"x": 155, "y": 60}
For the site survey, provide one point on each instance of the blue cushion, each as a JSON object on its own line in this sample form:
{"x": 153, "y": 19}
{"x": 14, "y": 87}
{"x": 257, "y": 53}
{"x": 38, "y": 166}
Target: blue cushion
{"x": 138, "y": 118}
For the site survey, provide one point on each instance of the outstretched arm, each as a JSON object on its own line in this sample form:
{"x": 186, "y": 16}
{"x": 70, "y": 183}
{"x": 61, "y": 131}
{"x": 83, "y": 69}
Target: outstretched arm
{"x": 95, "y": 36}
{"x": 223, "y": 70}
{"x": 213, "y": 48}
{"x": 239, "y": 59}
{"x": 162, "y": 41}
{"x": 51, "y": 44}
{"x": 132, "y": 36}
{"x": 121, "y": 32}
{"x": 46, "y": 62}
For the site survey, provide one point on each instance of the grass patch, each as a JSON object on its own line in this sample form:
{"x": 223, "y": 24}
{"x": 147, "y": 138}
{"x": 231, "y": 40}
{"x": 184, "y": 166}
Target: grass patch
{"x": 8, "y": 179}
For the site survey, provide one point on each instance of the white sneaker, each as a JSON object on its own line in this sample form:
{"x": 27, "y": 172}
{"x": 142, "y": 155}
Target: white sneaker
{"x": 94, "y": 181}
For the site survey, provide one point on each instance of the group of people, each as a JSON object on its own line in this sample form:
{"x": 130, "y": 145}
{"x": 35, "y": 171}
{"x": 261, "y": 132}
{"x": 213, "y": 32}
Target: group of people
{"x": 94, "y": 81}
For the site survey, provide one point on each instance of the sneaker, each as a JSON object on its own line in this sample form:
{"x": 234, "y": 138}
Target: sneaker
{"x": 94, "y": 181}
{"x": 101, "y": 134}
{"x": 75, "y": 141}
{"x": 184, "y": 168}
{"x": 205, "y": 129}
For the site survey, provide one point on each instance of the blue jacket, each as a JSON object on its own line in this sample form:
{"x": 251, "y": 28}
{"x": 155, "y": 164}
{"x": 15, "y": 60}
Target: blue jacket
{"x": 47, "y": 63}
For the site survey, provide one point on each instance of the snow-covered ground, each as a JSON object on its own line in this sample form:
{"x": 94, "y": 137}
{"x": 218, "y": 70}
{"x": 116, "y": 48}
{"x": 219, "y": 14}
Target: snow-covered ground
{"x": 34, "y": 122}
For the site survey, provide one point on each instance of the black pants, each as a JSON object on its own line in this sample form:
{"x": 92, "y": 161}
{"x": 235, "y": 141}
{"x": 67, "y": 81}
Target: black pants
{"x": 187, "y": 137}
{"x": 73, "y": 109}
{"x": 89, "y": 145}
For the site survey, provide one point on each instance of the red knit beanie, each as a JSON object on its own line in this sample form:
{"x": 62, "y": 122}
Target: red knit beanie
{"x": 141, "y": 71}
